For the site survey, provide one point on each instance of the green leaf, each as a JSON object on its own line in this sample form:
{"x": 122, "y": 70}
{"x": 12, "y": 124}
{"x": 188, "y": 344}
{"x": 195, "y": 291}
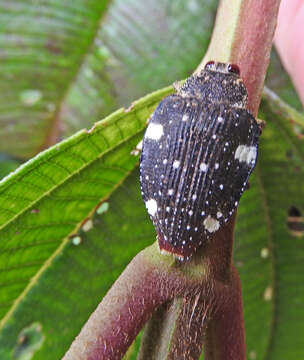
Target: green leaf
{"x": 135, "y": 43}
{"x": 29, "y": 341}
{"x": 42, "y": 48}
{"x": 268, "y": 255}
{"x": 47, "y": 199}
{"x": 64, "y": 69}
{"x": 140, "y": 34}
{"x": 76, "y": 281}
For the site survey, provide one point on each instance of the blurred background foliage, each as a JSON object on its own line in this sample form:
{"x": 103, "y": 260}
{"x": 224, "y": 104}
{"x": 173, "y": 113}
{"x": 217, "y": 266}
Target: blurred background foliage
{"x": 65, "y": 65}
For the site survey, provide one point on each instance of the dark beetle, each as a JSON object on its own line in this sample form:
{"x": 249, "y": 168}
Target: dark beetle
{"x": 198, "y": 152}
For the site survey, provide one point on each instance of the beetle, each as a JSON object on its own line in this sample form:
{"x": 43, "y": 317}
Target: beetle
{"x": 199, "y": 149}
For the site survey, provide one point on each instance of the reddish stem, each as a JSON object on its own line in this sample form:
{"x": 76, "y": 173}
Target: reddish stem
{"x": 252, "y": 45}
{"x": 148, "y": 281}
{"x": 225, "y": 338}
{"x": 243, "y": 35}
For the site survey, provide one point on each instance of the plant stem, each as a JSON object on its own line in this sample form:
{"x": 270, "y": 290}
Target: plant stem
{"x": 225, "y": 338}
{"x": 243, "y": 35}
{"x": 149, "y": 280}
{"x": 281, "y": 108}
{"x": 177, "y": 332}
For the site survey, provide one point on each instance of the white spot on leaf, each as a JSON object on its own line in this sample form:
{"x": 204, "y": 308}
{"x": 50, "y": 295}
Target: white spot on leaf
{"x": 268, "y": 293}
{"x": 211, "y": 224}
{"x": 104, "y": 207}
{"x": 252, "y": 355}
{"x": 264, "y": 253}
{"x": 87, "y": 226}
{"x": 76, "y": 240}
{"x": 29, "y": 341}
{"x": 137, "y": 149}
{"x": 30, "y": 97}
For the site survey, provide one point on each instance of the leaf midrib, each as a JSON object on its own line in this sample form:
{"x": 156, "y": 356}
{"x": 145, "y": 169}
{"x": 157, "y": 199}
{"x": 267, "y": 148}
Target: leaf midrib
{"x": 46, "y": 264}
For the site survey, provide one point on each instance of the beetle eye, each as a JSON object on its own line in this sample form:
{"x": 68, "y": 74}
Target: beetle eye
{"x": 209, "y": 65}
{"x": 232, "y": 68}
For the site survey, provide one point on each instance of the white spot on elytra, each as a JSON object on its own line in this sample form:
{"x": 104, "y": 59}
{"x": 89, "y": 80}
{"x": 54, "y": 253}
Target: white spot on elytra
{"x": 203, "y": 167}
{"x": 221, "y": 186}
{"x": 190, "y": 213}
{"x": 213, "y": 136}
{"x": 165, "y": 161}
{"x": 219, "y": 214}
{"x": 211, "y": 224}
{"x": 151, "y": 206}
{"x": 167, "y": 208}
{"x": 188, "y": 227}
{"x": 185, "y": 117}
{"x": 216, "y": 166}
{"x": 154, "y": 131}
{"x": 170, "y": 192}
{"x": 220, "y": 119}
{"x": 245, "y": 153}
{"x": 176, "y": 164}
{"x": 194, "y": 197}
